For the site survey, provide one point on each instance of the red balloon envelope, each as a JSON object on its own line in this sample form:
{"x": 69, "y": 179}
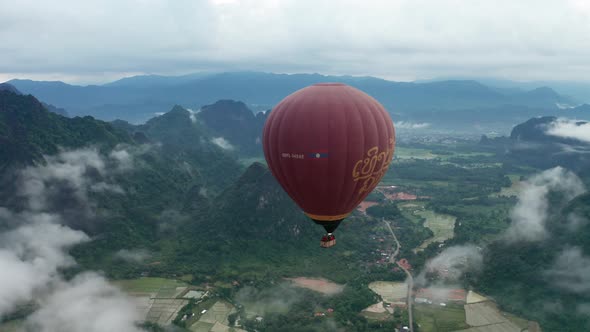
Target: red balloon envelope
{"x": 328, "y": 145}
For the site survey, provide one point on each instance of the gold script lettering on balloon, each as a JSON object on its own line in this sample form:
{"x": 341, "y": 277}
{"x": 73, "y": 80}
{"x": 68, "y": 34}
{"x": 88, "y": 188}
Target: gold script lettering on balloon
{"x": 371, "y": 168}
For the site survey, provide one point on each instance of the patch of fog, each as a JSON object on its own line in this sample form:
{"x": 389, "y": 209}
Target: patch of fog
{"x": 530, "y": 213}
{"x": 411, "y": 125}
{"x": 133, "y": 255}
{"x": 193, "y": 114}
{"x": 86, "y": 303}
{"x": 452, "y": 263}
{"x": 222, "y": 143}
{"x": 35, "y": 241}
{"x": 276, "y": 299}
{"x": 571, "y": 271}
{"x": 169, "y": 220}
{"x": 563, "y": 106}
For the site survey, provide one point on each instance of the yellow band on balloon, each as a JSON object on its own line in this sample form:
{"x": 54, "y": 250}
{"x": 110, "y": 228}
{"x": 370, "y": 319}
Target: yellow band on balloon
{"x": 327, "y": 218}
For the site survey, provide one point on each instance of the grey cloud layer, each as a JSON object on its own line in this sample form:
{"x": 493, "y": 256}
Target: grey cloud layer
{"x": 400, "y": 39}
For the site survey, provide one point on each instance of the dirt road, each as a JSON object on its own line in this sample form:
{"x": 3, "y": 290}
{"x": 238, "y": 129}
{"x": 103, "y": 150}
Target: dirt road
{"x": 408, "y": 274}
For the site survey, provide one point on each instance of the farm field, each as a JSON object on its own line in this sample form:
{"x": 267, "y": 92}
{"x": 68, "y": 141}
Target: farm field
{"x": 159, "y": 287}
{"x": 511, "y": 191}
{"x": 377, "y": 312}
{"x": 418, "y": 153}
{"x": 156, "y": 297}
{"x": 442, "y": 225}
{"x": 473, "y": 297}
{"x": 390, "y": 291}
{"x": 12, "y": 326}
{"x": 433, "y": 318}
{"x": 215, "y": 318}
{"x": 485, "y": 316}
{"x": 320, "y": 285}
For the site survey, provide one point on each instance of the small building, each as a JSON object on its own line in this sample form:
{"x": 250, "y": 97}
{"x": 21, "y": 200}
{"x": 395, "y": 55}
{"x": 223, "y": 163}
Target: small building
{"x": 405, "y": 264}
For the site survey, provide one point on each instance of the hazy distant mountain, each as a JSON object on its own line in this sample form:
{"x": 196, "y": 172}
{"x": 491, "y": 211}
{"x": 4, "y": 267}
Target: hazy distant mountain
{"x": 531, "y": 144}
{"x": 136, "y": 99}
{"x": 142, "y": 81}
{"x": 579, "y": 91}
{"x": 582, "y": 111}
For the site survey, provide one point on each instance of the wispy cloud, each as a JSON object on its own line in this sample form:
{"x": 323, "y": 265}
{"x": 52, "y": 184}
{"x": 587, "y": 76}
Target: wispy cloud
{"x": 86, "y": 303}
{"x": 222, "y": 143}
{"x": 567, "y": 128}
{"x": 571, "y": 271}
{"x": 133, "y": 255}
{"x": 452, "y": 263}
{"x": 193, "y": 114}
{"x": 34, "y": 246}
{"x": 530, "y": 213}
{"x": 411, "y": 125}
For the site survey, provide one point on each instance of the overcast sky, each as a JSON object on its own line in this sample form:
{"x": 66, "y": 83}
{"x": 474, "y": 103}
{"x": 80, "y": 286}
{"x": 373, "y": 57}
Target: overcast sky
{"x": 97, "y": 41}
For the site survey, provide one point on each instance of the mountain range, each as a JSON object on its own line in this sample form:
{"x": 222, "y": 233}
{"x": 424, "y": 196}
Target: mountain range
{"x": 137, "y": 99}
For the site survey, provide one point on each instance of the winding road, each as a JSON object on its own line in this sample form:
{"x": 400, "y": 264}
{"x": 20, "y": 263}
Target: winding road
{"x": 408, "y": 274}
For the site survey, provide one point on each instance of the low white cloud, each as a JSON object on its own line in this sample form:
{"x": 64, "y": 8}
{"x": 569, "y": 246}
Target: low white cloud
{"x": 86, "y": 303}
{"x": 30, "y": 257}
{"x": 193, "y": 114}
{"x": 222, "y": 143}
{"x": 567, "y": 128}
{"x": 69, "y": 175}
{"x": 34, "y": 246}
{"x": 133, "y": 255}
{"x": 530, "y": 213}
{"x": 452, "y": 263}
{"x": 122, "y": 157}
{"x": 571, "y": 271}
{"x": 411, "y": 125}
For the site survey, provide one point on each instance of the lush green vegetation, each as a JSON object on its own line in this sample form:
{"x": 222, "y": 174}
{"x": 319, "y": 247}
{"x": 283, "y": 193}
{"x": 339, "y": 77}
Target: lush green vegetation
{"x": 200, "y": 214}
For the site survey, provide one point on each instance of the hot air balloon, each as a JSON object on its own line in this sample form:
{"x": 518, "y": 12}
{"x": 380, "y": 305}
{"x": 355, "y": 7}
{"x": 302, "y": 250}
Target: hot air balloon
{"x": 328, "y": 145}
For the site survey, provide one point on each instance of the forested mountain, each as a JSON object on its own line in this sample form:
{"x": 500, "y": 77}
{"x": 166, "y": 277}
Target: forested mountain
{"x": 166, "y": 186}
{"x": 546, "y": 279}
{"x": 28, "y": 130}
{"x": 233, "y": 121}
{"x": 137, "y": 99}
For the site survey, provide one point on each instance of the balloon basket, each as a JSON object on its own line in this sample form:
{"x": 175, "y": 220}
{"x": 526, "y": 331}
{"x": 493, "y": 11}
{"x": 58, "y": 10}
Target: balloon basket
{"x": 328, "y": 240}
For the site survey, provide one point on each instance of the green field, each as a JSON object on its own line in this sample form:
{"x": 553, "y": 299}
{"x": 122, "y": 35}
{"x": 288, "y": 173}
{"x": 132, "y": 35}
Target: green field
{"x": 160, "y": 286}
{"x": 12, "y": 326}
{"x": 249, "y": 161}
{"x": 418, "y": 153}
{"x": 513, "y": 190}
{"x": 409, "y": 153}
{"x": 433, "y": 318}
{"x": 442, "y": 225}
